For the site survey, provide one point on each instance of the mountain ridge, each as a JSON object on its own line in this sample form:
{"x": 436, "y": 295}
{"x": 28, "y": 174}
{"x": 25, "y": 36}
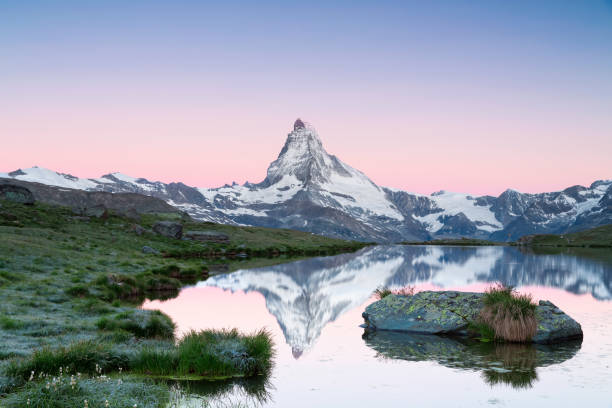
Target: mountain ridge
{"x": 308, "y": 189}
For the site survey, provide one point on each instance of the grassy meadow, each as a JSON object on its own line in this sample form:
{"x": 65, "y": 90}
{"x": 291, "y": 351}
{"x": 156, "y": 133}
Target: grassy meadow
{"x": 70, "y": 289}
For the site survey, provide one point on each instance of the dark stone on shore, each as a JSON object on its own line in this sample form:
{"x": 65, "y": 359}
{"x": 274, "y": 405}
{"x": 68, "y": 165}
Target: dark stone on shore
{"x": 169, "y": 229}
{"x": 148, "y": 250}
{"x": 15, "y": 193}
{"x": 207, "y": 236}
{"x": 450, "y": 312}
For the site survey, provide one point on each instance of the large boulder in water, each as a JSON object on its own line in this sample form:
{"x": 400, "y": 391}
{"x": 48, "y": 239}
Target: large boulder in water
{"x": 450, "y": 313}
{"x": 554, "y": 324}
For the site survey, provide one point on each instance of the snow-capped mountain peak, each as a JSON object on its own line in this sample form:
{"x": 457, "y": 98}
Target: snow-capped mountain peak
{"x": 304, "y": 157}
{"x": 308, "y": 189}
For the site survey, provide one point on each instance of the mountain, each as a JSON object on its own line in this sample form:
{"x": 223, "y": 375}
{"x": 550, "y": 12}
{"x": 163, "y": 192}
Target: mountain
{"x": 308, "y": 189}
{"x": 305, "y": 296}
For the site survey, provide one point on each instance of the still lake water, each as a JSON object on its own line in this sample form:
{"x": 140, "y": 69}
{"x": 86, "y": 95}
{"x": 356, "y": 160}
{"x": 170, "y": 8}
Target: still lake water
{"x": 313, "y": 308}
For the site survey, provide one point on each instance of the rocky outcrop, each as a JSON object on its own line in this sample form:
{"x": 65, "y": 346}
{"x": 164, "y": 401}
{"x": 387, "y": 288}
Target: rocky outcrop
{"x": 91, "y": 203}
{"x": 169, "y": 229}
{"x": 207, "y": 236}
{"x": 450, "y": 313}
{"x": 16, "y": 193}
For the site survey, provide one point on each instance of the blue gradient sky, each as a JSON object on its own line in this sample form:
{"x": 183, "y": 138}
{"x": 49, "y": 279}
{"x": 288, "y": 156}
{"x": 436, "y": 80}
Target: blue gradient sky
{"x": 469, "y": 96}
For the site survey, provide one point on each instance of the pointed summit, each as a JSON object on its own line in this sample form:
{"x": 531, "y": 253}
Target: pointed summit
{"x": 298, "y": 124}
{"x": 304, "y": 158}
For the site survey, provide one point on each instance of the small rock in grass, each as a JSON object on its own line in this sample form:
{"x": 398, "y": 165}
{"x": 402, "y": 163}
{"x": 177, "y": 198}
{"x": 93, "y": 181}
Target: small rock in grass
{"x": 169, "y": 229}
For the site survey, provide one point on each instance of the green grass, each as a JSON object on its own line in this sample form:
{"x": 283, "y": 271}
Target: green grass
{"x": 69, "y": 288}
{"x": 210, "y": 354}
{"x": 87, "y": 357}
{"x": 141, "y": 323}
{"x": 99, "y": 392}
{"x": 509, "y": 315}
{"x": 598, "y": 237}
{"x": 381, "y": 293}
{"x": 506, "y": 296}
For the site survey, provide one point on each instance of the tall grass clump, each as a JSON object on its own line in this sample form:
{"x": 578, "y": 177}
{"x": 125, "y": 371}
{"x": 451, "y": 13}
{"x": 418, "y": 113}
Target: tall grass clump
{"x": 141, "y": 323}
{"x": 88, "y": 357}
{"x": 383, "y": 291}
{"x": 225, "y": 353}
{"x": 210, "y": 354}
{"x": 510, "y": 315}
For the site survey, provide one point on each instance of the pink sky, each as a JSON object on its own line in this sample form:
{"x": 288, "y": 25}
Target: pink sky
{"x": 473, "y": 97}
{"x": 208, "y": 148}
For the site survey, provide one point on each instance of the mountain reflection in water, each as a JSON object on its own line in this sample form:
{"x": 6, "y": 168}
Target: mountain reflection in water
{"x": 305, "y": 296}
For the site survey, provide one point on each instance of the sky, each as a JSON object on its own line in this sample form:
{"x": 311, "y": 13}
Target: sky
{"x": 470, "y": 96}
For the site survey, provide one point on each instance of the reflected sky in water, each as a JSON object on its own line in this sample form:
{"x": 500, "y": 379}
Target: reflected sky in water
{"x": 313, "y": 308}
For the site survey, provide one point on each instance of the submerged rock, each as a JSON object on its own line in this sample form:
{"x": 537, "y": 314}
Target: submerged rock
{"x": 451, "y": 312}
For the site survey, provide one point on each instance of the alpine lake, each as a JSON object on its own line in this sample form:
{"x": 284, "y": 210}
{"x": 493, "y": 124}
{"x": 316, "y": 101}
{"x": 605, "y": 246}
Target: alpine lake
{"x": 324, "y": 358}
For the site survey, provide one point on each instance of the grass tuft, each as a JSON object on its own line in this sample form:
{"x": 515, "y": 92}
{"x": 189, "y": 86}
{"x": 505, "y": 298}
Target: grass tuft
{"x": 83, "y": 357}
{"x": 210, "y": 354}
{"x": 510, "y": 315}
{"x": 382, "y": 292}
{"x": 141, "y": 323}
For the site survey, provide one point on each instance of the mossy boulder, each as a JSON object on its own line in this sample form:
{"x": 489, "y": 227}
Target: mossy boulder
{"x": 452, "y": 312}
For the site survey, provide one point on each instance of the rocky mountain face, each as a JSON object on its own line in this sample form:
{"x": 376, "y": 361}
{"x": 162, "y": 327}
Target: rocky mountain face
{"x": 310, "y": 190}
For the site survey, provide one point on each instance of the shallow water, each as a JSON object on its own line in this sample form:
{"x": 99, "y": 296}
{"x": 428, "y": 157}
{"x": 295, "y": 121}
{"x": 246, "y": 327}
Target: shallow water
{"x": 313, "y": 308}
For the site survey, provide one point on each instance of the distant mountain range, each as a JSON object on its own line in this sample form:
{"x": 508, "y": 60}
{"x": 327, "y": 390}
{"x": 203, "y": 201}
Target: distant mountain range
{"x": 310, "y": 190}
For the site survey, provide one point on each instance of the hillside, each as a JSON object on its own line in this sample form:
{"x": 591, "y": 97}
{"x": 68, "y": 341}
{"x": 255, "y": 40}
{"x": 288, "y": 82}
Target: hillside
{"x": 598, "y": 237}
{"x": 66, "y": 277}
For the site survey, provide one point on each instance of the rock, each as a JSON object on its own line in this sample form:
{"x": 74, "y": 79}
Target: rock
{"x": 554, "y": 325}
{"x": 425, "y": 312}
{"x": 168, "y": 229}
{"x": 137, "y": 229}
{"x": 450, "y": 313}
{"x": 207, "y": 236}
{"x": 98, "y": 211}
{"x": 148, "y": 250}
{"x": 298, "y": 124}
{"x": 16, "y": 194}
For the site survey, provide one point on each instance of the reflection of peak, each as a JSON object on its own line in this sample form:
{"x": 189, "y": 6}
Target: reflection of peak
{"x": 297, "y": 353}
{"x": 305, "y": 296}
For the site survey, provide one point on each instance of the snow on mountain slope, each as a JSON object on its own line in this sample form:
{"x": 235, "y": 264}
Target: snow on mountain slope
{"x": 40, "y": 175}
{"x": 304, "y": 165}
{"x": 454, "y": 203}
{"x": 308, "y": 189}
